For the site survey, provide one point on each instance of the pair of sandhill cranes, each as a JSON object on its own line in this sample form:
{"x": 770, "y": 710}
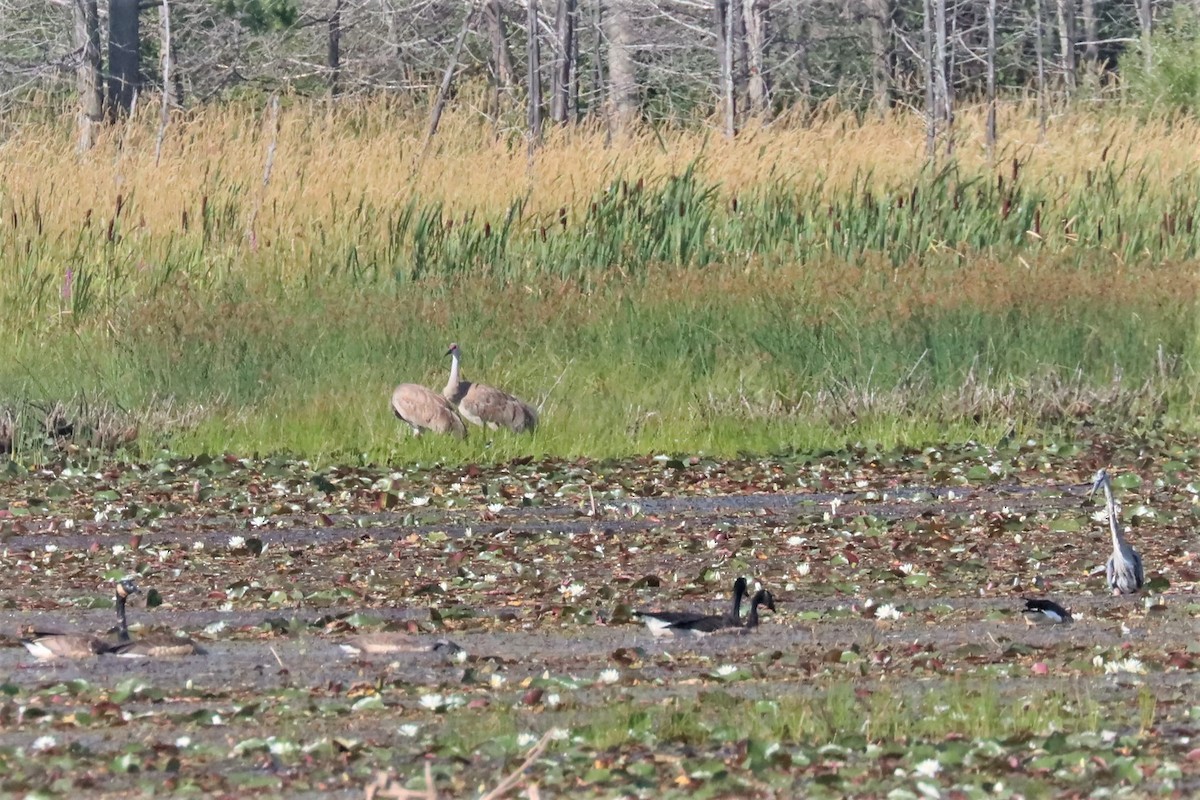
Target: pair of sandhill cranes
{"x": 478, "y": 403}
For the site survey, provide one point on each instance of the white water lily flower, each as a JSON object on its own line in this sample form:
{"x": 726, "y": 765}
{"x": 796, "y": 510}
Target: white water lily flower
{"x": 887, "y": 611}
{"x": 461, "y": 657}
{"x": 432, "y": 701}
{"x": 43, "y": 743}
{"x": 573, "y": 590}
{"x": 183, "y": 742}
{"x": 237, "y": 542}
{"x": 929, "y": 768}
{"x": 408, "y": 730}
{"x": 1132, "y": 665}
{"x": 118, "y": 549}
{"x": 497, "y": 680}
{"x": 610, "y": 676}
{"x": 51, "y": 548}
{"x": 907, "y": 569}
{"x": 495, "y": 508}
{"x": 553, "y": 700}
{"x": 804, "y": 569}
{"x": 420, "y": 501}
{"x": 197, "y": 545}
{"x": 725, "y": 670}
{"x": 796, "y": 541}
{"x": 258, "y": 522}
{"x": 526, "y": 739}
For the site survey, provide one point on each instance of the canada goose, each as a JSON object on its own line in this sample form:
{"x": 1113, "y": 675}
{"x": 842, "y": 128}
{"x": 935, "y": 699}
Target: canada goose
{"x": 44, "y": 645}
{"x": 152, "y": 646}
{"x": 1044, "y": 612}
{"x": 424, "y": 409}
{"x": 392, "y": 643}
{"x": 481, "y": 404}
{"x": 1124, "y": 567}
{"x": 761, "y": 598}
{"x": 671, "y": 623}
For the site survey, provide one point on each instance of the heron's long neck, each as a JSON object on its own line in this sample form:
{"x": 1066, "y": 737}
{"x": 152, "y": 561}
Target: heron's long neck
{"x": 123, "y": 631}
{"x": 1113, "y": 525}
{"x": 453, "y": 382}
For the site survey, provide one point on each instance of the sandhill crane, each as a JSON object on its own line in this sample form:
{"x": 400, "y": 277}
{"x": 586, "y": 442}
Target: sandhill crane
{"x": 670, "y": 623}
{"x": 1044, "y": 612}
{"x": 1124, "y": 567}
{"x": 45, "y": 646}
{"x": 424, "y": 409}
{"x": 152, "y": 646}
{"x": 481, "y": 404}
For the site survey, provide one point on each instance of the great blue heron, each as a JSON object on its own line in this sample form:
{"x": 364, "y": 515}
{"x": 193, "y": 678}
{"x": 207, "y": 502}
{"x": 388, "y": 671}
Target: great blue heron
{"x": 672, "y": 623}
{"x": 1124, "y": 567}
{"x": 1045, "y": 612}
{"x": 481, "y": 404}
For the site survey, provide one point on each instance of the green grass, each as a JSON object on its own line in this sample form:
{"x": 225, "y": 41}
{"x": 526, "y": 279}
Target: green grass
{"x": 665, "y": 312}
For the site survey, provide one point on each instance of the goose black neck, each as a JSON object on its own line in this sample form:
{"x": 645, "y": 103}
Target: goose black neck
{"x": 123, "y": 628}
{"x": 739, "y": 594}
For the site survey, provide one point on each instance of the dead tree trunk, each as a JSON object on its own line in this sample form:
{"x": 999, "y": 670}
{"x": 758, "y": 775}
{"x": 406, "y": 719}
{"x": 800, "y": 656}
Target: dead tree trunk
{"x": 502, "y": 61}
{"x": 124, "y": 56}
{"x": 1145, "y": 22}
{"x": 1039, "y": 44}
{"x": 943, "y": 103}
{"x": 723, "y": 22}
{"x": 931, "y": 118}
{"x": 990, "y": 134}
{"x": 335, "y": 49}
{"x": 1066, "y": 42}
{"x": 439, "y": 105}
{"x": 599, "y": 85}
{"x": 172, "y": 82}
{"x": 534, "y": 76}
{"x": 879, "y": 21}
{"x": 1091, "y": 33}
{"x": 564, "y": 62}
{"x": 622, "y": 70}
{"x": 167, "y": 79}
{"x": 87, "y": 71}
{"x": 754, "y": 15}
{"x": 573, "y": 56}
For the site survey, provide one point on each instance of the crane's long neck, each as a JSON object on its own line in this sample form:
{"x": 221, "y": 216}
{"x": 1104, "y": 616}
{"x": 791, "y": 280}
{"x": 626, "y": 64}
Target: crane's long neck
{"x": 1114, "y": 525}
{"x": 123, "y": 626}
{"x": 452, "y": 384}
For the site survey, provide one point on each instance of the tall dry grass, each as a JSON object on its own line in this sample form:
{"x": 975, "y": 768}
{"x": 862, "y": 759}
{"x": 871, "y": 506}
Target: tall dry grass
{"x": 328, "y": 157}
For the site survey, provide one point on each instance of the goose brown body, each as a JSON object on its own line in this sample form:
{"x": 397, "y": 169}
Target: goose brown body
{"x": 151, "y": 646}
{"x": 386, "y": 643}
{"x": 47, "y": 645}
